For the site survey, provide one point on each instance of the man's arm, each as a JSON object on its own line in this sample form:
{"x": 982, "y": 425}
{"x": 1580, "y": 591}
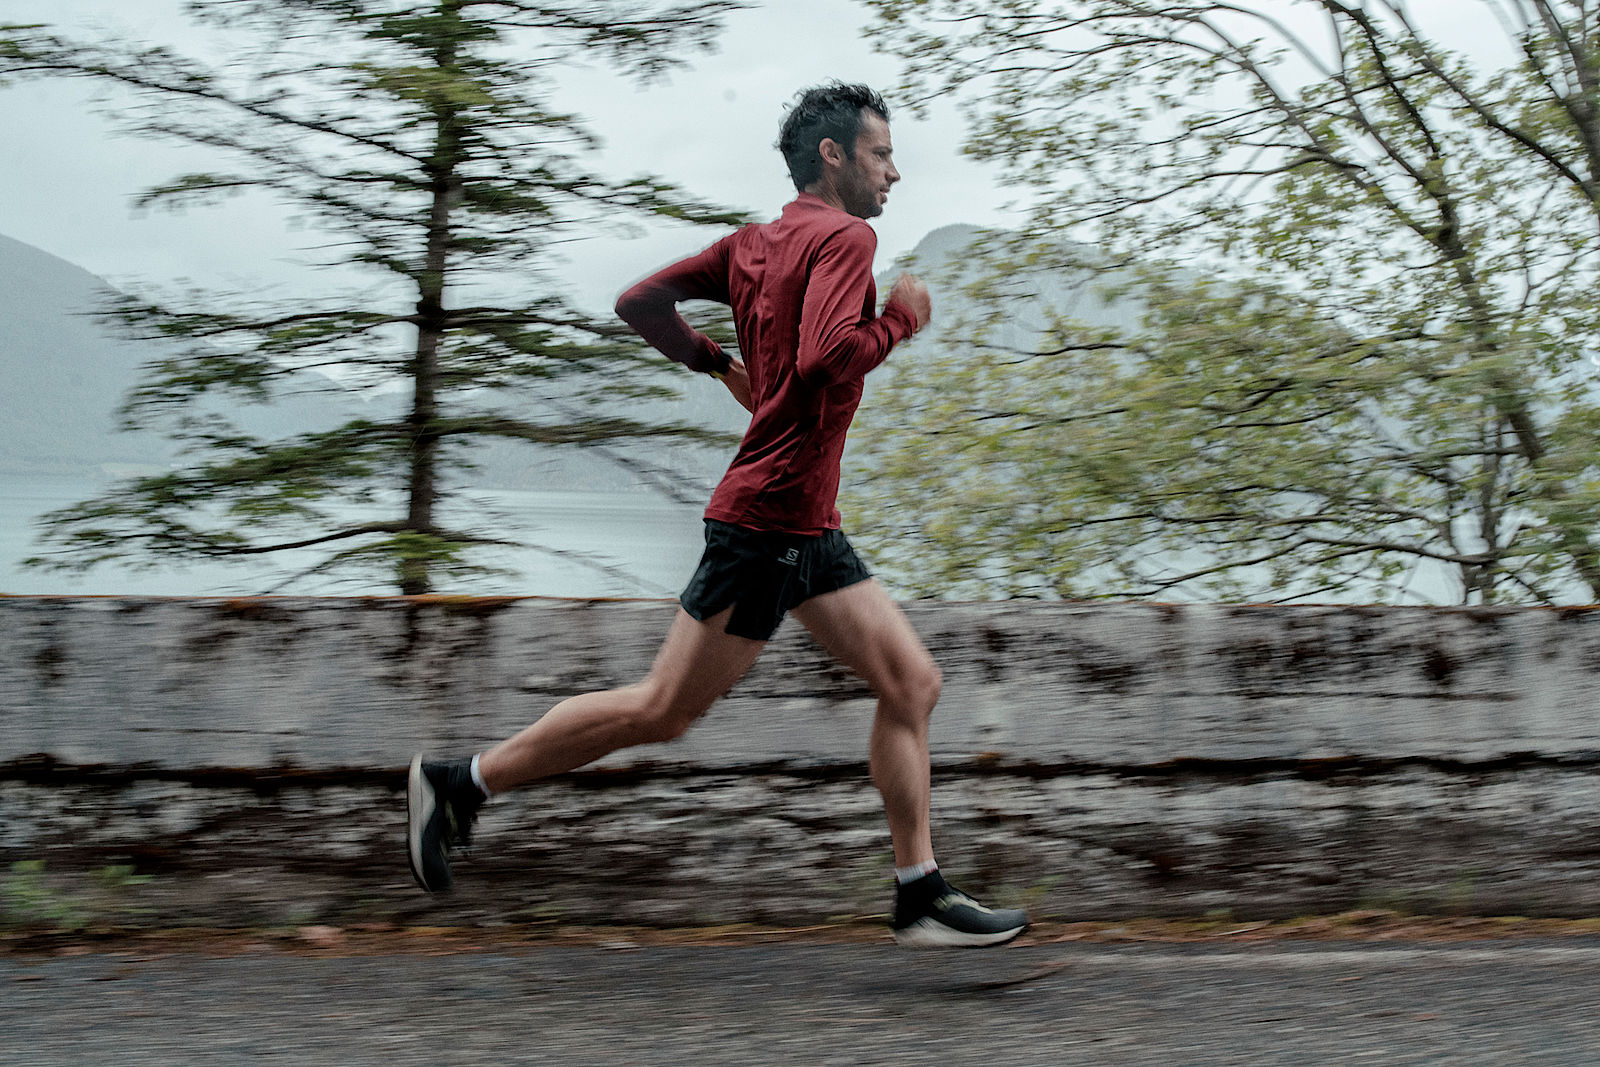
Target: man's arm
{"x": 909, "y": 292}
{"x": 737, "y": 380}
{"x": 650, "y": 307}
{"x": 836, "y": 343}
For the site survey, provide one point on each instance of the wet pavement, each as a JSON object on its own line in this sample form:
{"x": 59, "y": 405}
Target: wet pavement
{"x": 620, "y": 1002}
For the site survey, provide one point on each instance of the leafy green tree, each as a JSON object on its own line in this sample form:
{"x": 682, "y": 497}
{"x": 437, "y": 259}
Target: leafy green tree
{"x": 421, "y": 136}
{"x": 1365, "y": 273}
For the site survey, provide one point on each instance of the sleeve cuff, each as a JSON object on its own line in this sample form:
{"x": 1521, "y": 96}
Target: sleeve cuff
{"x": 902, "y": 320}
{"x": 708, "y": 357}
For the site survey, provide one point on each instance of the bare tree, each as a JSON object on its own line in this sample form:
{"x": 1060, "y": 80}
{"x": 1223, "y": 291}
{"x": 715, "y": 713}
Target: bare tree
{"x": 1367, "y": 267}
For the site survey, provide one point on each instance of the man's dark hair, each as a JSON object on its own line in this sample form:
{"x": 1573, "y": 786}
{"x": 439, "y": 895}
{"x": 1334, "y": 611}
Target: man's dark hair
{"x": 826, "y": 111}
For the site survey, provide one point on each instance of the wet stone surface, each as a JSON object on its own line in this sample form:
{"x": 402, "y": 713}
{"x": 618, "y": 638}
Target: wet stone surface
{"x": 242, "y": 759}
{"x": 846, "y": 1004}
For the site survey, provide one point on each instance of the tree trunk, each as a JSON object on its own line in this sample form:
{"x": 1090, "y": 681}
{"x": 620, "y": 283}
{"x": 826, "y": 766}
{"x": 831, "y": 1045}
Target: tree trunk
{"x": 422, "y": 478}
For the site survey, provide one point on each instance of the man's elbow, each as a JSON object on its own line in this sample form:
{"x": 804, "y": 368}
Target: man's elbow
{"x": 814, "y": 371}
{"x": 820, "y": 367}
{"x": 630, "y": 306}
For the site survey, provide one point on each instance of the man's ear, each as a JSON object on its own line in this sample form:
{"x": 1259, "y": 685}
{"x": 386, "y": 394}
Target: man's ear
{"x": 832, "y": 152}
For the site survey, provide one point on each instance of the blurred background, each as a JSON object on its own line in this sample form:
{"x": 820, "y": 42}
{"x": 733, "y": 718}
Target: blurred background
{"x": 1284, "y": 302}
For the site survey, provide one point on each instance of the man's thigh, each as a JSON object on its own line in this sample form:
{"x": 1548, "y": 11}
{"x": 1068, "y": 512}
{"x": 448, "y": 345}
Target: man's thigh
{"x": 862, "y": 627}
{"x": 699, "y": 662}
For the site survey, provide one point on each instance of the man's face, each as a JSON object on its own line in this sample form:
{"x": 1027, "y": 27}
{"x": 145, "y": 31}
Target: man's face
{"x": 865, "y": 180}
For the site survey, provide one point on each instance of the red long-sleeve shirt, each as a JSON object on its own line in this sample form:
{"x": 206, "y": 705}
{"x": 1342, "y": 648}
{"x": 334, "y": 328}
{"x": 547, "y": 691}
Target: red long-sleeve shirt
{"x": 803, "y": 303}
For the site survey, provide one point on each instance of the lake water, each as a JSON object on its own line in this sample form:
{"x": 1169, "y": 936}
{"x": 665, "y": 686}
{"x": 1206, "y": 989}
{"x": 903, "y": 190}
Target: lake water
{"x": 578, "y": 544}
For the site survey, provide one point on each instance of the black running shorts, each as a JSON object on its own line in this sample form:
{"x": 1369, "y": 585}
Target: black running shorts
{"x": 764, "y": 575}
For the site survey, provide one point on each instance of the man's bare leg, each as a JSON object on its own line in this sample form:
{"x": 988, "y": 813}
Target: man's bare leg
{"x": 696, "y": 665}
{"x": 867, "y": 632}
{"x": 863, "y": 628}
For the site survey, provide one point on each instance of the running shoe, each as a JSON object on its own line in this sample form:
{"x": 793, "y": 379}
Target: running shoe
{"x": 930, "y": 913}
{"x": 442, "y": 803}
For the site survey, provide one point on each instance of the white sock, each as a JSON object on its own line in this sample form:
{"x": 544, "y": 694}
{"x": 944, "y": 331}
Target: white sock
{"x": 477, "y": 778}
{"x": 903, "y": 875}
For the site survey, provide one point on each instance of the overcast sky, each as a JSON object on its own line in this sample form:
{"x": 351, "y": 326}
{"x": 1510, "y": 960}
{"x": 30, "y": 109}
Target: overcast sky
{"x": 66, "y": 181}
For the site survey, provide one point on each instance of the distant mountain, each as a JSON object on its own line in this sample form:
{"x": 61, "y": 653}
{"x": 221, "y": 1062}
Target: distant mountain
{"x": 948, "y": 261}
{"x": 65, "y": 373}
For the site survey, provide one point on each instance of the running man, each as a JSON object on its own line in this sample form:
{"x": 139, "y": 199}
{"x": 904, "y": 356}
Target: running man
{"x": 803, "y": 303}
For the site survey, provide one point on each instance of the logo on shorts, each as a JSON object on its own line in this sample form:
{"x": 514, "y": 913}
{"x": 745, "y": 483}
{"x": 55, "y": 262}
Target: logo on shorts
{"x": 791, "y": 557}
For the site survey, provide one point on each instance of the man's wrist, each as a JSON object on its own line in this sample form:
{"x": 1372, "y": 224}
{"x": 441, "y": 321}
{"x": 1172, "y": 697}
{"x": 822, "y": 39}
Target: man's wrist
{"x": 706, "y": 357}
{"x": 719, "y": 363}
{"x": 894, "y": 310}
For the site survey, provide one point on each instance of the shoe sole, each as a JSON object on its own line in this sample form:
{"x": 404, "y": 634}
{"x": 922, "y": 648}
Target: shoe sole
{"x": 420, "y": 804}
{"x": 925, "y": 933}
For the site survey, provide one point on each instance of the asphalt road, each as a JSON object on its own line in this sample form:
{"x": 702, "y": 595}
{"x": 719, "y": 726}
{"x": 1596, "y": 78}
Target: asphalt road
{"x": 1486, "y": 1002}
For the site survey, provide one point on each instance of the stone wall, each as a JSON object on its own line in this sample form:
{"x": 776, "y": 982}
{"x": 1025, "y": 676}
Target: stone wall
{"x": 242, "y": 760}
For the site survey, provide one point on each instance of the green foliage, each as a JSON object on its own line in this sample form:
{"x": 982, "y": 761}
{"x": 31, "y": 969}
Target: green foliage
{"x": 29, "y": 900}
{"x": 420, "y": 140}
{"x": 1365, "y": 279}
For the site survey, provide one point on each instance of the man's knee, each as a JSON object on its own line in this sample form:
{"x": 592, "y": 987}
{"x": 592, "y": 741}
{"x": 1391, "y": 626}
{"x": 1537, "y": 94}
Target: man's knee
{"x": 665, "y": 716}
{"x": 930, "y": 684}
{"x": 913, "y": 688}
{"x": 670, "y": 727}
